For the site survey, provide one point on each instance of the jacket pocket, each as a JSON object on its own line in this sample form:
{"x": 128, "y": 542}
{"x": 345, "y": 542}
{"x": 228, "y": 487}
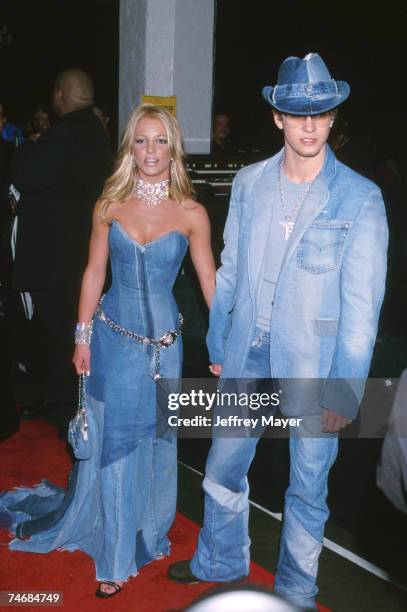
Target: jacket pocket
{"x": 321, "y": 246}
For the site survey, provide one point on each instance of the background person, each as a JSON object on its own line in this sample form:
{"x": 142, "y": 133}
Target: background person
{"x": 221, "y": 133}
{"x": 392, "y": 467}
{"x": 60, "y": 176}
{"x": 9, "y": 132}
{"x": 10, "y": 420}
{"x": 38, "y": 122}
{"x": 102, "y": 111}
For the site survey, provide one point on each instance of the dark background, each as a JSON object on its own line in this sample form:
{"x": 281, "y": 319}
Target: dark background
{"x": 362, "y": 43}
{"x": 50, "y": 35}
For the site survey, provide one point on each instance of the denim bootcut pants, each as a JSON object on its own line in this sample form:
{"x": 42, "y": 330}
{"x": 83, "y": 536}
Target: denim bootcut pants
{"x": 223, "y": 545}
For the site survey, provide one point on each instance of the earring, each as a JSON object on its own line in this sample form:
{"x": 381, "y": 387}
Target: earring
{"x": 331, "y": 124}
{"x": 172, "y": 169}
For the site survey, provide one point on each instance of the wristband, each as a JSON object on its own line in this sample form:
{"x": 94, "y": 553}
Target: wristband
{"x": 83, "y": 333}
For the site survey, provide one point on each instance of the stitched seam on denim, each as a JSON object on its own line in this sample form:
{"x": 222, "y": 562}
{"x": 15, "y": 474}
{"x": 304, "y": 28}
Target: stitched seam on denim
{"x": 328, "y": 224}
{"x": 333, "y": 452}
{"x": 118, "y": 471}
{"x": 139, "y": 271}
{"x": 320, "y": 269}
{"x": 151, "y": 504}
{"x": 212, "y": 554}
{"x": 344, "y": 226}
{"x": 98, "y": 487}
{"x": 99, "y": 427}
{"x": 326, "y": 472}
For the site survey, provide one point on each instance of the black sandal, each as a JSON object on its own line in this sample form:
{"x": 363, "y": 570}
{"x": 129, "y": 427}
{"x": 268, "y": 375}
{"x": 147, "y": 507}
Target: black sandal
{"x": 103, "y": 594}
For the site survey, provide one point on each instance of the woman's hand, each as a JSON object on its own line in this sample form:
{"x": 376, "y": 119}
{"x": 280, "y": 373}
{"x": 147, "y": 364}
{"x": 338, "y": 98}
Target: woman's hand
{"x": 81, "y": 359}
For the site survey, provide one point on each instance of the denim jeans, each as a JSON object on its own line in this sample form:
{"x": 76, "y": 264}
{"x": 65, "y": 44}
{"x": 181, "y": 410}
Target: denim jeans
{"x": 223, "y": 545}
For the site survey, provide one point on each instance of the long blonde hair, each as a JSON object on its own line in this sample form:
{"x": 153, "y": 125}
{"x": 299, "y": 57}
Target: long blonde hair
{"x": 121, "y": 183}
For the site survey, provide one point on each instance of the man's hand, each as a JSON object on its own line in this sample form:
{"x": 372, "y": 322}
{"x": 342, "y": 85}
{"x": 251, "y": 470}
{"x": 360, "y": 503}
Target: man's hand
{"x": 216, "y": 369}
{"x": 333, "y": 422}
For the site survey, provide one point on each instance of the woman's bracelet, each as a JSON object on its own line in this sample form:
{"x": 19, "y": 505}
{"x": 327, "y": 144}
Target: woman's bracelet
{"x": 83, "y": 333}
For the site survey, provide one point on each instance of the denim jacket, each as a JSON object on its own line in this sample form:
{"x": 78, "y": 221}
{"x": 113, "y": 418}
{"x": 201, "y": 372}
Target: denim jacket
{"x": 330, "y": 288}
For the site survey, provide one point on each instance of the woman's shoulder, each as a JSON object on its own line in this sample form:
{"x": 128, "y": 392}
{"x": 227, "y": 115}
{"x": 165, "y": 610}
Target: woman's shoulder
{"x": 107, "y": 210}
{"x": 196, "y": 215}
{"x": 193, "y": 208}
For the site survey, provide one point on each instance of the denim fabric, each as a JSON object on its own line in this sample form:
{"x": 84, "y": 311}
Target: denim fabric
{"x": 121, "y": 502}
{"x": 140, "y": 299}
{"x": 330, "y": 288}
{"x": 119, "y": 515}
{"x": 305, "y": 87}
{"x": 223, "y": 546}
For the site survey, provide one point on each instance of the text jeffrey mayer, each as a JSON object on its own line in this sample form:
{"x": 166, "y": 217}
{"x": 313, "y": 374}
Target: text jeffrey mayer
{"x": 266, "y": 421}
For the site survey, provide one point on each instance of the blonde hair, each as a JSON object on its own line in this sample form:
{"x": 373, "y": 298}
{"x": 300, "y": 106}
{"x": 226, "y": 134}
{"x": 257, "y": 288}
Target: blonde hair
{"x": 121, "y": 183}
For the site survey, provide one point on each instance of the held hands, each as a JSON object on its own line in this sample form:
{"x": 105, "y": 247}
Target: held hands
{"x": 333, "y": 422}
{"x": 81, "y": 359}
{"x": 215, "y": 369}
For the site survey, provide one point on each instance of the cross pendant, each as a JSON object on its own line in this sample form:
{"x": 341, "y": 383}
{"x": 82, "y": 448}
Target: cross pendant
{"x": 288, "y": 227}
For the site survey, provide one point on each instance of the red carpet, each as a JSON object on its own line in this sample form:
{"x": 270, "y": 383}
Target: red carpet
{"x": 35, "y": 452}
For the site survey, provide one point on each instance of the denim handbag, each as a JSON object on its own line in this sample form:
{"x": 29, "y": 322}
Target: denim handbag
{"x": 78, "y": 432}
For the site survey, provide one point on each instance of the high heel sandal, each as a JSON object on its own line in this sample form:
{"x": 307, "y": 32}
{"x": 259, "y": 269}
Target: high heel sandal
{"x": 104, "y": 594}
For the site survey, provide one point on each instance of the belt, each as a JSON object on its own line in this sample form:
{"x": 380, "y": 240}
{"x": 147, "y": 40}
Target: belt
{"x": 167, "y": 339}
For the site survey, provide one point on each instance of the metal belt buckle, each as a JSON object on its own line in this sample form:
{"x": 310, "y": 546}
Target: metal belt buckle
{"x": 168, "y": 338}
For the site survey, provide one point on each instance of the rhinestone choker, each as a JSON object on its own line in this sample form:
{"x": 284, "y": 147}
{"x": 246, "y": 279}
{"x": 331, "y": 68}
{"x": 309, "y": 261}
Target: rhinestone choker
{"x": 152, "y": 193}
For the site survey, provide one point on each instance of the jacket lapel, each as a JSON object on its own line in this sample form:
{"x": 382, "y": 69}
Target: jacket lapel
{"x": 263, "y": 194}
{"x": 262, "y": 206}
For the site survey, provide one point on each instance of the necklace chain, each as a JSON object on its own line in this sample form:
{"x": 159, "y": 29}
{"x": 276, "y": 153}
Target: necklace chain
{"x": 288, "y": 224}
{"x": 152, "y": 193}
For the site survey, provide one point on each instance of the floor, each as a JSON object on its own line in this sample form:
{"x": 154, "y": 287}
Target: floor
{"x": 344, "y": 586}
{"x": 363, "y": 564}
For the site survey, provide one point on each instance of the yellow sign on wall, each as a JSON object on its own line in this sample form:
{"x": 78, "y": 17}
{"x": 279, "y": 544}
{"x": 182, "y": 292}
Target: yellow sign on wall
{"x": 167, "y": 102}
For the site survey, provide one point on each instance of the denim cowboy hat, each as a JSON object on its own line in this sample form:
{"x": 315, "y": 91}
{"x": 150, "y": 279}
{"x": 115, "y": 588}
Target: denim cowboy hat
{"x": 305, "y": 87}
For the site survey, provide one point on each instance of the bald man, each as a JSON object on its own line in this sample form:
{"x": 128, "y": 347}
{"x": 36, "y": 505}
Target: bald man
{"x": 73, "y": 91}
{"x": 60, "y": 175}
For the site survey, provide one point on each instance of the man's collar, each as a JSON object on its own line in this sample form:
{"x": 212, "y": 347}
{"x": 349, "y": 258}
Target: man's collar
{"x": 328, "y": 169}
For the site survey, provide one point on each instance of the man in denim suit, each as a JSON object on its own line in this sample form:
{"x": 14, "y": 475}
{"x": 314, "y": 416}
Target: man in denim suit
{"x": 298, "y": 296}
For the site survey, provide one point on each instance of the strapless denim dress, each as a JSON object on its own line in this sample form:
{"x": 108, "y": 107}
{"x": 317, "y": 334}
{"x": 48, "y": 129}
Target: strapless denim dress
{"x": 120, "y": 503}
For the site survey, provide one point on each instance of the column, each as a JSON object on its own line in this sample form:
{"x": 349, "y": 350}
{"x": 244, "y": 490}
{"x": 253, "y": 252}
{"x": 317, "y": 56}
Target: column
{"x": 166, "y": 49}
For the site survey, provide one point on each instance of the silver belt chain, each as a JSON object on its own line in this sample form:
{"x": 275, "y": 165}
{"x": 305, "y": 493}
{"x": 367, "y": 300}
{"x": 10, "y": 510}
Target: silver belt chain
{"x": 166, "y": 340}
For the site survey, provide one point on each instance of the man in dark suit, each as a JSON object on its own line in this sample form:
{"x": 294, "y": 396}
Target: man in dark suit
{"x": 9, "y": 419}
{"x": 60, "y": 176}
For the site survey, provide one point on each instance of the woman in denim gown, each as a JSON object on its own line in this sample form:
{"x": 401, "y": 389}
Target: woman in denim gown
{"x": 121, "y": 502}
